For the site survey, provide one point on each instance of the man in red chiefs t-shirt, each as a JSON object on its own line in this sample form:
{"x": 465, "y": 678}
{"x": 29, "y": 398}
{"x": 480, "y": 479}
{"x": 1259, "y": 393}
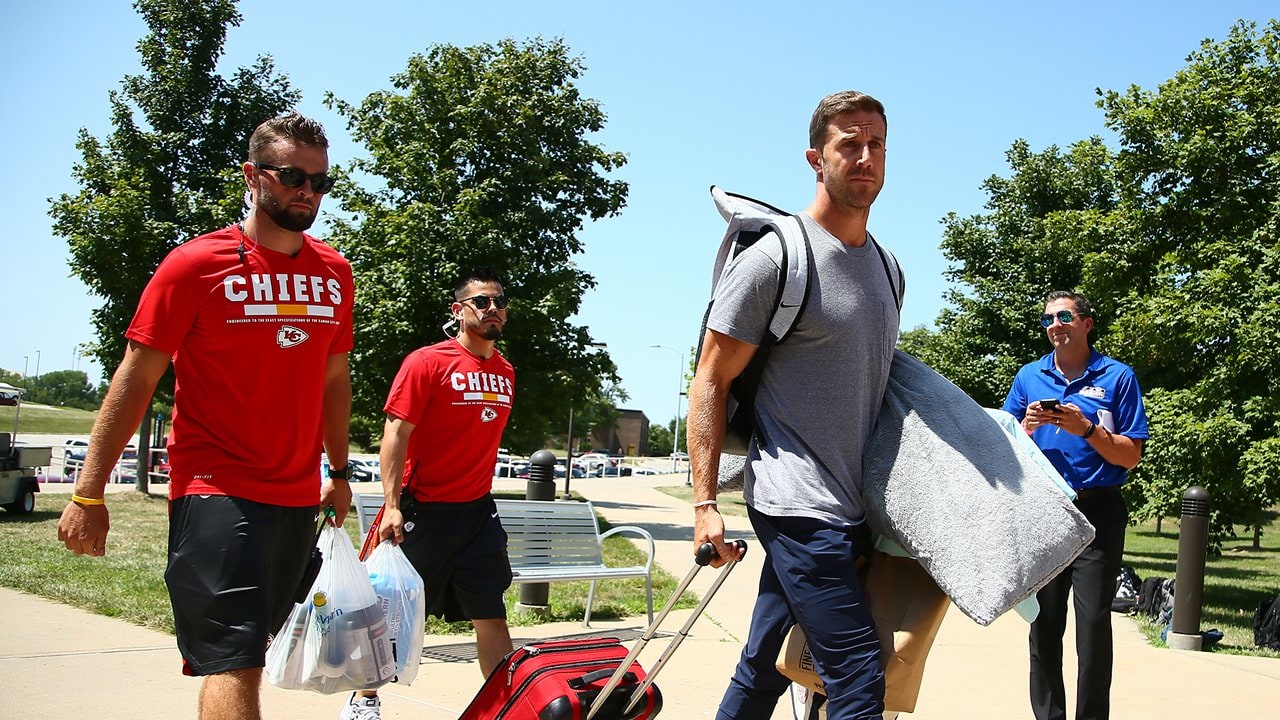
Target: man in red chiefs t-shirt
{"x": 446, "y": 412}
{"x": 256, "y": 319}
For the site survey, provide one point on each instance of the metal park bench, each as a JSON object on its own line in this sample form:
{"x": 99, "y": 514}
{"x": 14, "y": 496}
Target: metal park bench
{"x": 552, "y": 541}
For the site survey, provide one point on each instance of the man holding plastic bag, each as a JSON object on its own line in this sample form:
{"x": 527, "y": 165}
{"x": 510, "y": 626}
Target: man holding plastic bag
{"x": 446, "y": 412}
{"x": 256, "y": 319}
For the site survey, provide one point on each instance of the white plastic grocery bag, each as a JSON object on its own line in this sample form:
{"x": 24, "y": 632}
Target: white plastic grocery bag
{"x": 336, "y": 640}
{"x": 400, "y": 593}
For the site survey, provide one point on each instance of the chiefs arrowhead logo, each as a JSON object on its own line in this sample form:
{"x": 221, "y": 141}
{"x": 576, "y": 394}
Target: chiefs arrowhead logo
{"x": 289, "y": 336}
{"x": 488, "y": 415}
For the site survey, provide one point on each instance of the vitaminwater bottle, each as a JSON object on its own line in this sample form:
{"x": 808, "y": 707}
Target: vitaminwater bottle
{"x": 332, "y": 646}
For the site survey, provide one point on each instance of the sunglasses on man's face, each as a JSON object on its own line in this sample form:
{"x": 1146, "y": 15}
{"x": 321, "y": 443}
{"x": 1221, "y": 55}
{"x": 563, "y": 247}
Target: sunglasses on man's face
{"x": 481, "y": 302}
{"x": 1063, "y": 316}
{"x": 292, "y": 177}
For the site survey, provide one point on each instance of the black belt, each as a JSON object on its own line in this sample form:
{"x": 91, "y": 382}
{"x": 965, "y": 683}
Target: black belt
{"x": 1093, "y": 492}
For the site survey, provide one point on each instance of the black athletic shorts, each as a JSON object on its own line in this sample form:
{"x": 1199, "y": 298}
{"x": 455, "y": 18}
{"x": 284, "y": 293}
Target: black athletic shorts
{"x": 234, "y": 569}
{"x": 460, "y": 550}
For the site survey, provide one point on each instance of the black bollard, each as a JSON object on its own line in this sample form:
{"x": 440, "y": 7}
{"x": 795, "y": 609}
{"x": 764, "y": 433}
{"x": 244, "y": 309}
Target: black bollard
{"x": 1188, "y": 592}
{"x": 542, "y": 476}
{"x": 541, "y": 486}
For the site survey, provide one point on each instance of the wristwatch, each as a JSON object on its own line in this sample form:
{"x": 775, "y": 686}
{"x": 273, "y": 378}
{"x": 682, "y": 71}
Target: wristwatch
{"x": 340, "y": 474}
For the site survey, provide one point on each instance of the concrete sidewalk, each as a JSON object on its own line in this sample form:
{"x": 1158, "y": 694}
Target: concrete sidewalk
{"x": 56, "y": 661}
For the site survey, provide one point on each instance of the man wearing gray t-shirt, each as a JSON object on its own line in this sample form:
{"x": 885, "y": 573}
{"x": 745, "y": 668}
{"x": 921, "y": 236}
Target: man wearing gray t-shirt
{"x": 816, "y": 404}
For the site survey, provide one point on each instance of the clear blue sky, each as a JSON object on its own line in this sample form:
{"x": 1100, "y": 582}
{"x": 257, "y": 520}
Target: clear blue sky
{"x": 697, "y": 93}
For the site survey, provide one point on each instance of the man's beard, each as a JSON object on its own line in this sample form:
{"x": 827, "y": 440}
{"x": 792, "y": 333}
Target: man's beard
{"x": 286, "y": 218}
{"x": 847, "y": 192}
{"x": 489, "y": 332}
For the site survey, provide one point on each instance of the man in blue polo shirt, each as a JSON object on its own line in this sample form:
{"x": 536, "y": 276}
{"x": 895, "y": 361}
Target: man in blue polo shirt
{"x": 1084, "y": 410}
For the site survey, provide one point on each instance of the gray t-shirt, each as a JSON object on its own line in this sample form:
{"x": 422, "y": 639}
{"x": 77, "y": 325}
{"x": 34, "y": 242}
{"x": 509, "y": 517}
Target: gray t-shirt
{"x": 821, "y": 390}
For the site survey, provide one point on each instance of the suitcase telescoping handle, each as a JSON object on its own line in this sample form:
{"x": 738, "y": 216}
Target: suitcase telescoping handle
{"x": 703, "y": 558}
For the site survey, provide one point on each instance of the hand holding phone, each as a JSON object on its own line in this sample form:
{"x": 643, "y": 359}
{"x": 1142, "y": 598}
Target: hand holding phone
{"x": 1050, "y": 405}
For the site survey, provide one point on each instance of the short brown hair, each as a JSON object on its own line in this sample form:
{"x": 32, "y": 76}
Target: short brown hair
{"x": 836, "y": 103}
{"x": 293, "y": 126}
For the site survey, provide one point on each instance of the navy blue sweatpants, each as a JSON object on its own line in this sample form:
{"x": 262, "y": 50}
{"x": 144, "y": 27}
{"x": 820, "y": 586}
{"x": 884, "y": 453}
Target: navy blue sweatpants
{"x": 809, "y": 577}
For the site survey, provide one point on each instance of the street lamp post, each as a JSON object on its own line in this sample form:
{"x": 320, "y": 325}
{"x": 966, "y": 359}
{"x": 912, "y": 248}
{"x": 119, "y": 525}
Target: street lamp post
{"x": 675, "y": 439}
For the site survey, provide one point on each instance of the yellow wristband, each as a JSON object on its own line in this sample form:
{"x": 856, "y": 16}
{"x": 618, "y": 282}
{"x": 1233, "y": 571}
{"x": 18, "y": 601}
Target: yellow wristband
{"x": 87, "y": 501}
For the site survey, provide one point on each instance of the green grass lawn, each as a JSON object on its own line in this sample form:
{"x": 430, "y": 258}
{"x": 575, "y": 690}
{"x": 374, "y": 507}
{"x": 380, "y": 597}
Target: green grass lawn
{"x": 51, "y": 420}
{"x": 728, "y": 503}
{"x": 1234, "y": 582}
{"x": 128, "y": 583}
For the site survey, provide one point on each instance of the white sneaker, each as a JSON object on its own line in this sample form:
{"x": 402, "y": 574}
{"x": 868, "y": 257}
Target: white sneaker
{"x": 361, "y": 708}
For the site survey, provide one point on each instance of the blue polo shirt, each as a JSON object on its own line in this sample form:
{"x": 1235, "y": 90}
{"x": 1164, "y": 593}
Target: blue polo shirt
{"x": 1107, "y": 384}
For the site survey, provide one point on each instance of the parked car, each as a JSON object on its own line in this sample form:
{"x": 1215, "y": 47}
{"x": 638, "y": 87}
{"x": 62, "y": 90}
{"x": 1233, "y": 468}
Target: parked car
{"x": 127, "y": 465}
{"x": 523, "y": 470}
{"x": 162, "y": 466}
{"x": 512, "y": 468}
{"x": 365, "y": 470}
{"x": 73, "y": 452}
{"x": 75, "y": 445}
{"x": 125, "y": 470}
{"x": 577, "y": 470}
{"x": 594, "y": 463}
{"x": 644, "y": 471}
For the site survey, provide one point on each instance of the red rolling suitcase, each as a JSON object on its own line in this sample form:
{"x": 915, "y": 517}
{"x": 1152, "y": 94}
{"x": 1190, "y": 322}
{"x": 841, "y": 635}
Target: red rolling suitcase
{"x": 590, "y": 678}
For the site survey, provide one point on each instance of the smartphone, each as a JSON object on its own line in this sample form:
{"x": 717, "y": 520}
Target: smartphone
{"x": 1050, "y": 405}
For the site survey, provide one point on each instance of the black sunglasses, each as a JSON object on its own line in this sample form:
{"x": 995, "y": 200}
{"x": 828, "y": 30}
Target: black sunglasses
{"x": 292, "y": 177}
{"x": 1064, "y": 316}
{"x": 482, "y": 301}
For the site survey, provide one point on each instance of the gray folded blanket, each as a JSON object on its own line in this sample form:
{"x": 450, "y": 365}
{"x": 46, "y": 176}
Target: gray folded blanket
{"x": 947, "y": 483}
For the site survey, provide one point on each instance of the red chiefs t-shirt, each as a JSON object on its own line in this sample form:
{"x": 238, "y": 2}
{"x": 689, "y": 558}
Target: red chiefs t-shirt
{"x": 459, "y": 405}
{"x": 250, "y": 341}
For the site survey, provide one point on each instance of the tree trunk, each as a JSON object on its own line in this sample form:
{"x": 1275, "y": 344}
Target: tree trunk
{"x": 1257, "y": 536}
{"x": 1159, "y": 519}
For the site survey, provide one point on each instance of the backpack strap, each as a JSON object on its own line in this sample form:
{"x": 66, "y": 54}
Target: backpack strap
{"x": 793, "y": 285}
{"x": 887, "y": 259}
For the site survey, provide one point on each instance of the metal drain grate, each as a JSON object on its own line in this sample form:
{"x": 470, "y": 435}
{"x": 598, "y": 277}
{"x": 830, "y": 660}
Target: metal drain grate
{"x": 466, "y": 652}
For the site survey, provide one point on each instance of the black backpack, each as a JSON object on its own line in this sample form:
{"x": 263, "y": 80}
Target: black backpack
{"x": 1155, "y": 599}
{"x": 1266, "y": 624}
{"x": 1128, "y": 586}
{"x": 750, "y": 220}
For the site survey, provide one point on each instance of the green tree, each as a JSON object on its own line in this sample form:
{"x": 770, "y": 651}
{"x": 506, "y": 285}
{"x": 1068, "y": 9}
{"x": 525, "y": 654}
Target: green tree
{"x": 68, "y": 388}
{"x": 660, "y": 440}
{"x": 169, "y": 169}
{"x": 1040, "y": 222}
{"x": 479, "y": 156}
{"x": 1174, "y": 238}
{"x": 1200, "y": 167}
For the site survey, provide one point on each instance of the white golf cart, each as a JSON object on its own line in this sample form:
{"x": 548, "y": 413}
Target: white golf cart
{"x": 18, "y": 463}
